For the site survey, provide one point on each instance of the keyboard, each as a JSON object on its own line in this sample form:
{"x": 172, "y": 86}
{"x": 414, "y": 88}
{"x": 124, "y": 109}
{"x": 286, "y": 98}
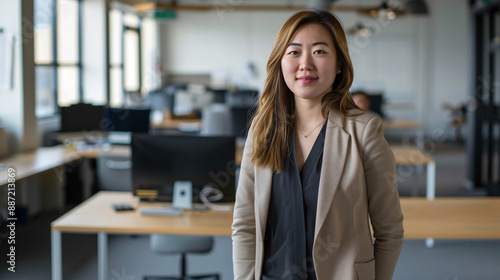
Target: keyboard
{"x": 161, "y": 211}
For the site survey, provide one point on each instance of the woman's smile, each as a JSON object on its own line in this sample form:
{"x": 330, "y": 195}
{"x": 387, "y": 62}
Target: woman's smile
{"x": 307, "y": 79}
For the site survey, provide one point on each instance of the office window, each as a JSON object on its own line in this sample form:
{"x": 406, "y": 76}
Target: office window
{"x": 57, "y": 55}
{"x": 115, "y": 51}
{"x": 68, "y": 85}
{"x": 151, "y": 76}
{"x": 132, "y": 49}
{"x": 45, "y": 91}
{"x": 43, "y": 42}
{"x": 131, "y": 60}
{"x": 131, "y": 20}
{"x": 67, "y": 30}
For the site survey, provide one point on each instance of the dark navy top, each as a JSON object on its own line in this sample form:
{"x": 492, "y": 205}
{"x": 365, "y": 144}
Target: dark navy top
{"x": 291, "y": 216}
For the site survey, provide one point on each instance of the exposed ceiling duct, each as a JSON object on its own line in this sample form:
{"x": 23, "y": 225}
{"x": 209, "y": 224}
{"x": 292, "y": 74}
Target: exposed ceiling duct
{"x": 391, "y": 8}
{"x": 320, "y": 4}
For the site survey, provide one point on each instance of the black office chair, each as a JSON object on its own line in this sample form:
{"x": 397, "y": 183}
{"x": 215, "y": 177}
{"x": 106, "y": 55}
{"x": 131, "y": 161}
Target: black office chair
{"x": 243, "y": 104}
{"x": 219, "y": 95}
{"x": 183, "y": 244}
{"x": 376, "y": 102}
{"x": 240, "y": 120}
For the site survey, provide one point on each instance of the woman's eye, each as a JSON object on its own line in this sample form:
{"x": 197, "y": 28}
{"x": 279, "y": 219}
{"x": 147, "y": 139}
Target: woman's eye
{"x": 320, "y": 52}
{"x": 293, "y": 52}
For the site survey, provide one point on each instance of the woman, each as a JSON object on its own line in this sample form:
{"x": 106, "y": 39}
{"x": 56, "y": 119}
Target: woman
{"x": 315, "y": 169}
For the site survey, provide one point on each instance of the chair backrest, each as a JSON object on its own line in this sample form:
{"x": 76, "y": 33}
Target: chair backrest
{"x": 216, "y": 120}
{"x": 242, "y": 98}
{"x": 172, "y": 244}
{"x": 240, "y": 120}
{"x": 376, "y": 102}
{"x": 114, "y": 172}
{"x": 220, "y": 95}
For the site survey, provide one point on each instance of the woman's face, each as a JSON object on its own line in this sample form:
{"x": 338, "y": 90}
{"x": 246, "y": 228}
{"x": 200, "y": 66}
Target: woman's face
{"x": 309, "y": 64}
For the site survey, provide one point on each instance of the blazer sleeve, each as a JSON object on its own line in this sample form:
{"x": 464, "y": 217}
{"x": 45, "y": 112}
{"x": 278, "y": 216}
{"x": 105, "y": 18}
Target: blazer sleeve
{"x": 383, "y": 199}
{"x": 243, "y": 226}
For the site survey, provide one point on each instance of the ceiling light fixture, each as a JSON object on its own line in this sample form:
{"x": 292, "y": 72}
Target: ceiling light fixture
{"x": 385, "y": 11}
{"x": 361, "y": 30}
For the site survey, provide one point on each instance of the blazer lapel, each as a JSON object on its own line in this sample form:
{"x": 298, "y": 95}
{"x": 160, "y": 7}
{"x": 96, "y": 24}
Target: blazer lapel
{"x": 334, "y": 154}
{"x": 262, "y": 194}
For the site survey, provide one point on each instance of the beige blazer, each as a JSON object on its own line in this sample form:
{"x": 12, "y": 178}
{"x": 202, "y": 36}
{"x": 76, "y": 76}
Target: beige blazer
{"x": 357, "y": 185}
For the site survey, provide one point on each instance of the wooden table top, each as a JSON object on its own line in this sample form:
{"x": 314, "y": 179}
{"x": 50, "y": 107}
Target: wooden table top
{"x": 170, "y": 122}
{"x": 452, "y": 218}
{"x": 409, "y": 155}
{"x": 401, "y": 124}
{"x": 442, "y": 218}
{"x": 96, "y": 215}
{"x": 38, "y": 161}
{"x": 93, "y": 152}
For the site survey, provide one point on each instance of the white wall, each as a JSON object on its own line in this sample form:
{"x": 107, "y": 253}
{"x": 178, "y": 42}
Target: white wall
{"x": 17, "y": 105}
{"x": 418, "y": 62}
{"x": 200, "y": 42}
{"x": 450, "y": 60}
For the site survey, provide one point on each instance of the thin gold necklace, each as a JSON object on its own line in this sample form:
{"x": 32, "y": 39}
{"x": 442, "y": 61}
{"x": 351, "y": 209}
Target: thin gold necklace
{"x": 306, "y": 135}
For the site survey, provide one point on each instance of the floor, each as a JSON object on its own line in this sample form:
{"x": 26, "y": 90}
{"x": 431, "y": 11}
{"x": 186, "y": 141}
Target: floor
{"x": 130, "y": 257}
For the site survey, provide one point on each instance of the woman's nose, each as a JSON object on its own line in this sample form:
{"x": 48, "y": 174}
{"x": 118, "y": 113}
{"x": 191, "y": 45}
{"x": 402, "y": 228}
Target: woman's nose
{"x": 306, "y": 63}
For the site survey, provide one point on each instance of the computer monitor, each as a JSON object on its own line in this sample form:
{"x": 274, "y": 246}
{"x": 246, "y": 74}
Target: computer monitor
{"x": 81, "y": 117}
{"x": 186, "y": 102}
{"x": 160, "y": 160}
{"x": 127, "y": 120}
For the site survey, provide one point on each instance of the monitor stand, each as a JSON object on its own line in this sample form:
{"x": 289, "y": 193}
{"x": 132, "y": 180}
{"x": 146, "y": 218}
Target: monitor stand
{"x": 183, "y": 195}
{"x": 182, "y": 199}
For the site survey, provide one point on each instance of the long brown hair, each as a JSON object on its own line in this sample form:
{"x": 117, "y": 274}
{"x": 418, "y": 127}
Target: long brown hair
{"x": 274, "y": 119}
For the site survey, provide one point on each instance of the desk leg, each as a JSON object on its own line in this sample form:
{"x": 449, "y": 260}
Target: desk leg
{"x": 56, "y": 255}
{"x": 102, "y": 256}
{"x": 431, "y": 181}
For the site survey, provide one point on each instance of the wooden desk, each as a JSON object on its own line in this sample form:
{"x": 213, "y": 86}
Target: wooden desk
{"x": 93, "y": 152}
{"x": 96, "y": 216}
{"x": 409, "y": 155}
{"x": 401, "y": 124}
{"x": 44, "y": 159}
{"x": 452, "y": 218}
{"x": 442, "y": 218}
{"x": 406, "y": 125}
{"x": 38, "y": 161}
{"x": 173, "y": 123}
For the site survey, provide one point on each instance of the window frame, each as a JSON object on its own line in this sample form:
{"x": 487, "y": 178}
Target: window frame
{"x": 56, "y": 65}
{"x": 121, "y": 66}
